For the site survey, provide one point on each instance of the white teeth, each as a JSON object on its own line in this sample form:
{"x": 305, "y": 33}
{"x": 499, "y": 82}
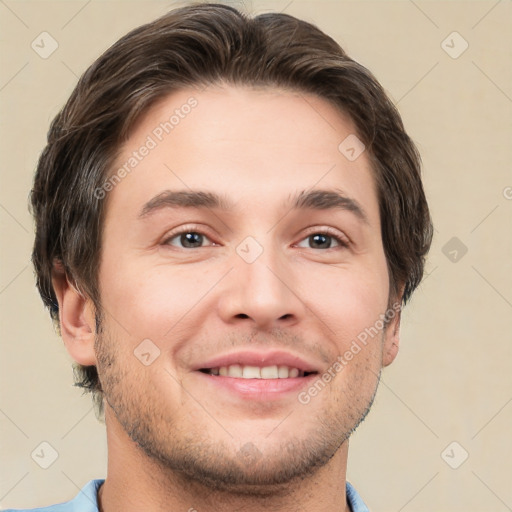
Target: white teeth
{"x": 235, "y": 370}
{"x": 270, "y": 372}
{"x": 294, "y": 372}
{"x": 283, "y": 372}
{"x": 251, "y": 372}
{"x": 255, "y": 372}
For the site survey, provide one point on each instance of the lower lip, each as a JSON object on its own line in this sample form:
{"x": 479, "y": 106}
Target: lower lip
{"x": 260, "y": 389}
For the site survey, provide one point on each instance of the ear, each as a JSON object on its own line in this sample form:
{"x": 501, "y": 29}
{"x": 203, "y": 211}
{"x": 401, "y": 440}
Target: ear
{"x": 76, "y": 317}
{"x": 392, "y": 333}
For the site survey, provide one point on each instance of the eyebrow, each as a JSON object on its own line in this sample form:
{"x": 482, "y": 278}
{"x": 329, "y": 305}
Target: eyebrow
{"x": 316, "y": 199}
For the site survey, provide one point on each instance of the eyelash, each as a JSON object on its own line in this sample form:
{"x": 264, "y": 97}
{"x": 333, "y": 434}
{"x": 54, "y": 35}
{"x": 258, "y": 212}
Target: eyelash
{"x": 341, "y": 240}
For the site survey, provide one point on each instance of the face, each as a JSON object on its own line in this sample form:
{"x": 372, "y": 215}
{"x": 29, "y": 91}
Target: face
{"x": 241, "y": 259}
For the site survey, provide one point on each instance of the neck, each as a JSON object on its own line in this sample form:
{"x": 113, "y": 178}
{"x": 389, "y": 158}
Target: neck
{"x": 136, "y": 482}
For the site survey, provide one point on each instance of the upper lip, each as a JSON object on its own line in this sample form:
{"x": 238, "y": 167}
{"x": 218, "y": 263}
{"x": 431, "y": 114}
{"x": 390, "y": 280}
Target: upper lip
{"x": 260, "y": 359}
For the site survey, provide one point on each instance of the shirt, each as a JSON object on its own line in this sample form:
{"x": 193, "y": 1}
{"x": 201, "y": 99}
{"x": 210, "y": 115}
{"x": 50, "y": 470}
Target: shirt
{"x": 87, "y": 501}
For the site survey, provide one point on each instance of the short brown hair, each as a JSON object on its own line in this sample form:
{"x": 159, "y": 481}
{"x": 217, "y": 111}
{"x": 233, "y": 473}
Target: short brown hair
{"x": 197, "y": 46}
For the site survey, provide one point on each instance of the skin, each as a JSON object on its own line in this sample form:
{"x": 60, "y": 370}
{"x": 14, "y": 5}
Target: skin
{"x": 174, "y": 441}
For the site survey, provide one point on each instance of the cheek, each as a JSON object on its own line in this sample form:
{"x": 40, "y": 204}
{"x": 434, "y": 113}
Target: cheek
{"x": 148, "y": 300}
{"x": 348, "y": 299}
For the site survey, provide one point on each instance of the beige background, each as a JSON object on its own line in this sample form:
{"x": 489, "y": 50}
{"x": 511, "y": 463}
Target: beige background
{"x": 452, "y": 380}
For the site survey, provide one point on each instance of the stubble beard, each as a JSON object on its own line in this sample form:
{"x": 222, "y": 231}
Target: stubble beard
{"x": 184, "y": 452}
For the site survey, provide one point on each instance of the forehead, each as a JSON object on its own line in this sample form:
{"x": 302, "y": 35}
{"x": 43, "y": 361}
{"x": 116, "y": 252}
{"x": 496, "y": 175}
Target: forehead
{"x": 257, "y": 147}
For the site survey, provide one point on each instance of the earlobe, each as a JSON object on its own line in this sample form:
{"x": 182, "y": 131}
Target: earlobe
{"x": 392, "y": 340}
{"x": 76, "y": 318}
{"x": 390, "y": 354}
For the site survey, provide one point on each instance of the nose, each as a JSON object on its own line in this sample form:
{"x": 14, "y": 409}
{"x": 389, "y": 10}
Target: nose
{"x": 260, "y": 291}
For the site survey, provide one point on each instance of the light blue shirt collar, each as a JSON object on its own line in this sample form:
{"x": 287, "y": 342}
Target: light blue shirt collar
{"x": 354, "y": 500}
{"x": 87, "y": 500}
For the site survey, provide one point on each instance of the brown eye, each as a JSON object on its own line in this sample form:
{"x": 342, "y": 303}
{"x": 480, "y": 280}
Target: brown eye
{"x": 322, "y": 240}
{"x": 187, "y": 239}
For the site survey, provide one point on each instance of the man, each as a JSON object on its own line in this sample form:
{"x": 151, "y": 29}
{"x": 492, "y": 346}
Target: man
{"x": 229, "y": 218}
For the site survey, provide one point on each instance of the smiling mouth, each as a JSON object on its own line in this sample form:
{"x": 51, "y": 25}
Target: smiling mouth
{"x": 256, "y": 372}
